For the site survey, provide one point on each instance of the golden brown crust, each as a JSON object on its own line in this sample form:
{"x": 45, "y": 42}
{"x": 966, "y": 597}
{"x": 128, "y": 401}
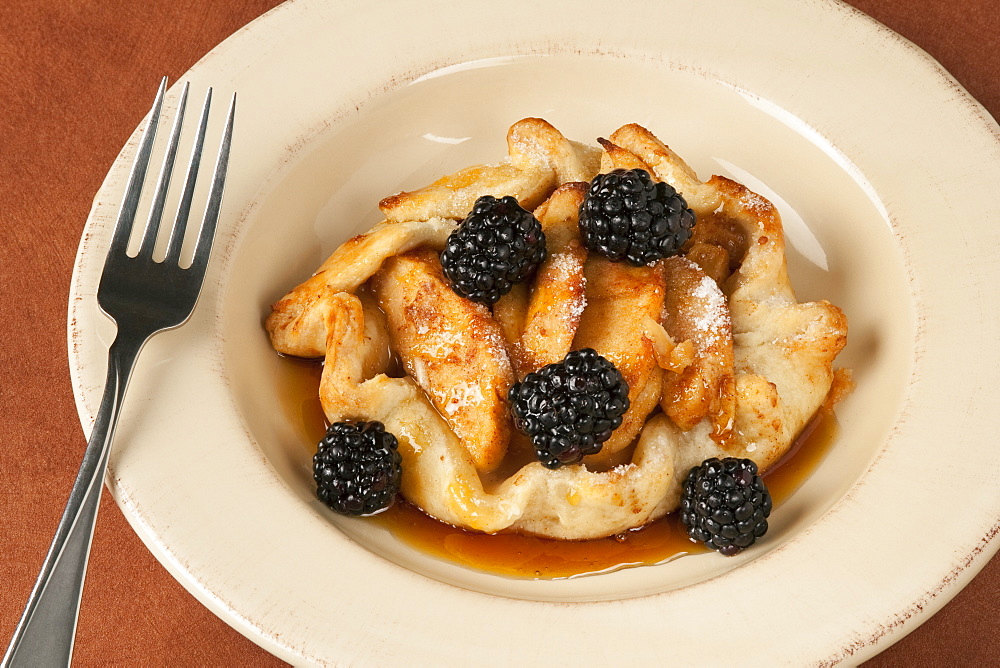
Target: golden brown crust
{"x": 539, "y": 159}
{"x": 452, "y": 196}
{"x": 532, "y": 141}
{"x": 558, "y": 297}
{"x": 666, "y": 165}
{"x": 615, "y": 157}
{"x": 454, "y": 350}
{"x": 619, "y": 299}
{"x": 297, "y": 324}
{"x": 695, "y": 310}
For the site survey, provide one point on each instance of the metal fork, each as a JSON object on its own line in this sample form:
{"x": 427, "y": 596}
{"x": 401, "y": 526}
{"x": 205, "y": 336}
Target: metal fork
{"x": 143, "y": 296}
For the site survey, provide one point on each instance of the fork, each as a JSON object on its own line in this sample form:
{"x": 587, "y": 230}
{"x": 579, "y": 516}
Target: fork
{"x": 142, "y": 296}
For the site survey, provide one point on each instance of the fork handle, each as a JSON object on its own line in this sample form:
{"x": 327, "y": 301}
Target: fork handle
{"x": 44, "y": 636}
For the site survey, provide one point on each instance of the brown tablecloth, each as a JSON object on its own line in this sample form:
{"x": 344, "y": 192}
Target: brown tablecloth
{"x": 75, "y": 78}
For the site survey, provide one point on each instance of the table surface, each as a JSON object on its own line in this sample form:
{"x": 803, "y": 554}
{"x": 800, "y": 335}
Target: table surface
{"x": 74, "y": 81}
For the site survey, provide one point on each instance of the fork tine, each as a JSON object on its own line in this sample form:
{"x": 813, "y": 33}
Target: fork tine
{"x": 207, "y": 233}
{"x": 130, "y": 202}
{"x": 156, "y": 212}
{"x": 184, "y": 207}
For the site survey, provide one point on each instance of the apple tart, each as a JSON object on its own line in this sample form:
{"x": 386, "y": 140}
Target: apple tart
{"x": 719, "y": 357}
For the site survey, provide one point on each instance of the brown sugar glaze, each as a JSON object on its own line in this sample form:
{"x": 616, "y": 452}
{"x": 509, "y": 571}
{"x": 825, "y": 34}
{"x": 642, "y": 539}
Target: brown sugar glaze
{"x": 518, "y": 555}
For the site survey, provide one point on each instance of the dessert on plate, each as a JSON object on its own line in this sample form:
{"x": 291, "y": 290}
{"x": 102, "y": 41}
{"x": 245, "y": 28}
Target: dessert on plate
{"x": 552, "y": 343}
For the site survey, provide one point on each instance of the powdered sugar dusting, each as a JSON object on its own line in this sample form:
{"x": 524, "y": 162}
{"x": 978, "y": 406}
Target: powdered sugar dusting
{"x": 437, "y": 344}
{"x": 623, "y": 469}
{"x": 713, "y": 318}
{"x": 530, "y": 149}
{"x": 442, "y": 341}
{"x": 716, "y": 313}
{"x": 564, "y": 268}
{"x": 756, "y": 204}
{"x": 462, "y": 396}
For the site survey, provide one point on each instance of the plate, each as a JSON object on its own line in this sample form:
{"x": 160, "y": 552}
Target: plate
{"x": 884, "y": 171}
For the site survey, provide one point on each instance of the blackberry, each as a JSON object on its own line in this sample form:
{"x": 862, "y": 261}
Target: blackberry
{"x": 357, "y": 468}
{"x": 627, "y": 216}
{"x": 725, "y": 504}
{"x": 571, "y": 407}
{"x": 497, "y": 245}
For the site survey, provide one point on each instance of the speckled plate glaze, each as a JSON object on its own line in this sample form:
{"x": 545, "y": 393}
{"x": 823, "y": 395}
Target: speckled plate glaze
{"x": 885, "y": 173}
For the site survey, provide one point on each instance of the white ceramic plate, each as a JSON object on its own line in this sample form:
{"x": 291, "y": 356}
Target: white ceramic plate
{"x": 885, "y": 172}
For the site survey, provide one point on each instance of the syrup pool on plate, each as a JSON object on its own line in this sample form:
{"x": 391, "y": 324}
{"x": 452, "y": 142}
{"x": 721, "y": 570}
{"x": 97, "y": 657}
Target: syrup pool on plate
{"x": 523, "y": 556}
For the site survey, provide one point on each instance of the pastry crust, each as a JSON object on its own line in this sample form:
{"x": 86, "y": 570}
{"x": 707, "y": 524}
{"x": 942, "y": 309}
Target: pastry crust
{"x": 539, "y": 158}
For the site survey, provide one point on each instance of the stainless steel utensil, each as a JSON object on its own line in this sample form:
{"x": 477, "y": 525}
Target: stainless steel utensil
{"x": 143, "y": 296}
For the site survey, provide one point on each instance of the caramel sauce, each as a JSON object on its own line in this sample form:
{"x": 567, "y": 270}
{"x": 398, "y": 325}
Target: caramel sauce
{"x": 525, "y": 556}
{"x": 520, "y": 555}
{"x": 299, "y": 397}
{"x": 804, "y": 457}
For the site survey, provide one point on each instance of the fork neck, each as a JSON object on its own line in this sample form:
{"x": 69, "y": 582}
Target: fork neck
{"x": 122, "y": 354}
